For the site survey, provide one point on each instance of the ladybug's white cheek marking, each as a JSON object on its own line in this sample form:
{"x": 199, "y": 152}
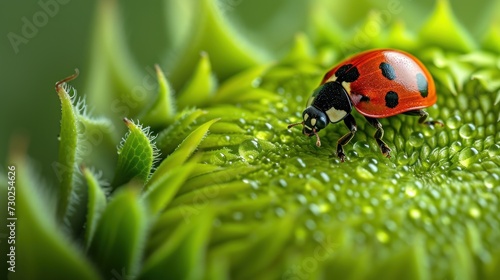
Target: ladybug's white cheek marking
{"x": 306, "y": 116}
{"x": 310, "y": 101}
{"x": 335, "y": 115}
{"x": 313, "y": 122}
{"x": 333, "y": 78}
{"x": 347, "y": 87}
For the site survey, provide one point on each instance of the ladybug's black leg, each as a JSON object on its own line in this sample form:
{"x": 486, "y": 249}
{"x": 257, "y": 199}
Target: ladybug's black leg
{"x": 378, "y": 136}
{"x": 351, "y": 124}
{"x": 423, "y": 116}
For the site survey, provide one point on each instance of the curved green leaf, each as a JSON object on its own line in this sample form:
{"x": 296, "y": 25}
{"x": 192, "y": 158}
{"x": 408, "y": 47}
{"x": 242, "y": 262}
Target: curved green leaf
{"x": 182, "y": 153}
{"x": 120, "y": 234}
{"x": 159, "y": 194}
{"x": 442, "y": 29}
{"x": 136, "y": 155}
{"x": 96, "y": 204}
{"x": 171, "y": 137}
{"x": 201, "y": 87}
{"x": 66, "y": 166}
{"x": 182, "y": 254}
{"x": 163, "y": 109}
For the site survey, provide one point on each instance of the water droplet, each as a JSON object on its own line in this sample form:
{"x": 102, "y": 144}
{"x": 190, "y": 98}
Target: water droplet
{"x": 331, "y": 197}
{"x": 402, "y": 159}
{"x": 492, "y": 181}
{"x": 445, "y": 220}
{"x": 494, "y": 150}
{"x": 411, "y": 191}
{"x": 416, "y": 139}
{"x": 282, "y": 183}
{"x": 249, "y": 150}
{"x": 325, "y": 177}
{"x": 280, "y": 212}
{"x": 265, "y": 135}
{"x": 300, "y": 162}
{"x": 314, "y": 208}
{"x": 362, "y": 148}
{"x": 256, "y": 82}
{"x": 382, "y": 236}
{"x": 415, "y": 213}
{"x": 443, "y": 138}
{"x": 467, "y": 156}
{"x": 454, "y": 122}
{"x": 219, "y": 158}
{"x": 364, "y": 173}
{"x": 456, "y": 146}
{"x": 302, "y": 199}
{"x": 237, "y": 216}
{"x": 368, "y": 210}
{"x": 467, "y": 131}
{"x": 310, "y": 224}
{"x": 474, "y": 212}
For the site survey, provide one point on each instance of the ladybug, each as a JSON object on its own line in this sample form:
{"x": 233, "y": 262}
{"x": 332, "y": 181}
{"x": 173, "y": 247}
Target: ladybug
{"x": 378, "y": 83}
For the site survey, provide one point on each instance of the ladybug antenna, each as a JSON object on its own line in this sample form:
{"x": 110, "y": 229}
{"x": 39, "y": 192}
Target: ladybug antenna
{"x": 318, "y": 142}
{"x": 294, "y": 124}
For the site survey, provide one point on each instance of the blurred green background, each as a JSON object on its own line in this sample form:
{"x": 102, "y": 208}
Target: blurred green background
{"x": 61, "y": 42}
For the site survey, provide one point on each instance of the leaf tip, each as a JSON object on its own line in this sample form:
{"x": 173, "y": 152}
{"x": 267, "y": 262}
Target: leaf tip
{"x": 59, "y": 84}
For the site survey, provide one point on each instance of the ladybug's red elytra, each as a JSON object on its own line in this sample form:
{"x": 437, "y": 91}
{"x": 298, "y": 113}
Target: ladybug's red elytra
{"x": 379, "y": 84}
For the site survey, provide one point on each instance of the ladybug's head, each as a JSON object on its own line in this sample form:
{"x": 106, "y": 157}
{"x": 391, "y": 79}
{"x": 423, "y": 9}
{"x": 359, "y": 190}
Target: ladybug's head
{"x": 314, "y": 121}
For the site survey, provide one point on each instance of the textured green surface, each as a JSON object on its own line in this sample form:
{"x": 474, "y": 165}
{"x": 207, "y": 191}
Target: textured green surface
{"x": 236, "y": 195}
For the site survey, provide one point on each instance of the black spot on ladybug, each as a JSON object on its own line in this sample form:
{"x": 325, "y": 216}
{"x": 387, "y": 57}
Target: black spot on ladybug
{"x": 364, "y": 98}
{"x": 347, "y": 73}
{"x": 387, "y": 71}
{"x": 423, "y": 87}
{"x": 391, "y": 99}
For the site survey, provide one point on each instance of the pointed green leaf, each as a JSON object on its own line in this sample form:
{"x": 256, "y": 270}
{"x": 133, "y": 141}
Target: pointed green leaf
{"x": 159, "y": 194}
{"x": 201, "y": 87}
{"x": 491, "y": 41}
{"x": 239, "y": 83}
{"x": 120, "y": 234}
{"x": 203, "y": 27}
{"x": 400, "y": 37}
{"x": 302, "y": 49}
{"x": 96, "y": 204}
{"x": 182, "y": 153}
{"x": 163, "y": 109}
{"x": 170, "y": 138}
{"x": 66, "y": 166}
{"x": 116, "y": 88}
{"x": 136, "y": 155}
{"x": 444, "y": 30}
{"x": 182, "y": 254}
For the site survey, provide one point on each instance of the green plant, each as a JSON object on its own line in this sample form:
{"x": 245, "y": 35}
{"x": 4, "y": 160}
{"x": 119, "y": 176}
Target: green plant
{"x": 209, "y": 183}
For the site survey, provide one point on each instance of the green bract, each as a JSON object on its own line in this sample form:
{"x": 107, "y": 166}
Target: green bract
{"x": 209, "y": 184}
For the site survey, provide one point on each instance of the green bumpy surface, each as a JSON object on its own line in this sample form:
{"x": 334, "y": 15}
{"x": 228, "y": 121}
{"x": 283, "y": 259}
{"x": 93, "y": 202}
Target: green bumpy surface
{"x": 236, "y": 195}
{"x": 435, "y": 201}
